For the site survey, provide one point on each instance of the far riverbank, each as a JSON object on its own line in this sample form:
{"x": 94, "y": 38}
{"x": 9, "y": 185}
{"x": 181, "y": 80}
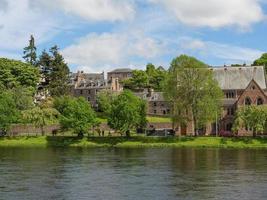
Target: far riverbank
{"x": 133, "y": 142}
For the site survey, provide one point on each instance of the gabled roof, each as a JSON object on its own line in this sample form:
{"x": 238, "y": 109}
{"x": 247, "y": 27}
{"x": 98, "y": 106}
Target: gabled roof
{"x": 231, "y": 78}
{"x": 121, "y": 70}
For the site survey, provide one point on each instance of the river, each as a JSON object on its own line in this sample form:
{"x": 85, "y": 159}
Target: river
{"x": 132, "y": 174}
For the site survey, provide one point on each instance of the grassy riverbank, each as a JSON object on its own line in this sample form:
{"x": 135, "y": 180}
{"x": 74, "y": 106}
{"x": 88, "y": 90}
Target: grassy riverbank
{"x": 134, "y": 142}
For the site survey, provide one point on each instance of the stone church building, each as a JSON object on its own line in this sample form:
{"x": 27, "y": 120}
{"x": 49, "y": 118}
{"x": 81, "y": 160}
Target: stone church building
{"x": 241, "y": 86}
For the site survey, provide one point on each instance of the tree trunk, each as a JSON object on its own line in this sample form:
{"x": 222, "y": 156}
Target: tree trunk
{"x": 80, "y": 134}
{"x": 42, "y": 131}
{"x": 254, "y": 133}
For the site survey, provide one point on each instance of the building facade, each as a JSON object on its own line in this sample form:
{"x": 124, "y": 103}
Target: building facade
{"x": 120, "y": 74}
{"x": 88, "y": 85}
{"x": 242, "y": 86}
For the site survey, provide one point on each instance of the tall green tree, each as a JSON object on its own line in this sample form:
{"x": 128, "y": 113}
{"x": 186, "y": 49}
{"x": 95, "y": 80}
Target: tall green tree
{"x": 29, "y": 52}
{"x": 193, "y": 92}
{"x": 76, "y": 114}
{"x": 45, "y": 65}
{"x": 262, "y": 61}
{"x": 126, "y": 112}
{"x": 253, "y": 118}
{"x": 8, "y": 111}
{"x": 59, "y": 74}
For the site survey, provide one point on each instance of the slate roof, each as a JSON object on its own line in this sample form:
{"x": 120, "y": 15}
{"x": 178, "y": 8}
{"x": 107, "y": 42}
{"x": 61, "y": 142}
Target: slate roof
{"x": 238, "y": 78}
{"x": 121, "y": 70}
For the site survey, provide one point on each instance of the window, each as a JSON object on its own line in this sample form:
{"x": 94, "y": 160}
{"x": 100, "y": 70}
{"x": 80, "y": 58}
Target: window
{"x": 89, "y": 92}
{"x": 164, "y": 112}
{"x": 155, "y": 104}
{"x": 259, "y": 101}
{"x": 88, "y": 98}
{"x": 230, "y": 95}
{"x": 81, "y": 91}
{"x": 247, "y": 101}
{"x": 155, "y": 111}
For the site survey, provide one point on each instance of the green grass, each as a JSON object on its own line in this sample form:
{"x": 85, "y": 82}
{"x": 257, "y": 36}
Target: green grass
{"x": 134, "y": 142}
{"x": 159, "y": 119}
{"x": 151, "y": 119}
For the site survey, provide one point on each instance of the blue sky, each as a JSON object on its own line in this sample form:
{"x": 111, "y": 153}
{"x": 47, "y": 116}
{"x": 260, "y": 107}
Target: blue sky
{"x": 97, "y": 35}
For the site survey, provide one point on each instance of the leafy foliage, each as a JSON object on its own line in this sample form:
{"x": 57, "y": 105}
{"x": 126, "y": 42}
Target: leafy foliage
{"x": 8, "y": 111}
{"x": 15, "y": 73}
{"x": 127, "y": 112}
{"x": 150, "y": 78}
{"x": 261, "y": 61}
{"x": 251, "y": 117}
{"x": 76, "y": 114}
{"x": 40, "y": 116}
{"x": 194, "y": 94}
{"x": 104, "y": 99}
{"x": 55, "y": 71}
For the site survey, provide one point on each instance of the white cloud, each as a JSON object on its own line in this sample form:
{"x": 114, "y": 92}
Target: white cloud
{"x": 18, "y": 22}
{"x": 99, "y": 52}
{"x": 215, "y": 13}
{"x": 93, "y": 10}
{"x": 229, "y": 53}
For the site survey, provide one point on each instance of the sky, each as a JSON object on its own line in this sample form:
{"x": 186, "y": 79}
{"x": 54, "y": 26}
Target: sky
{"x": 100, "y": 35}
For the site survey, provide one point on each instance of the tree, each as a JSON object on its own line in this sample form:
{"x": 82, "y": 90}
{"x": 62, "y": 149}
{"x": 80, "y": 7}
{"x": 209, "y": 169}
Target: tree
{"x": 23, "y": 98}
{"x": 104, "y": 99}
{"x": 15, "y": 73}
{"x": 152, "y": 77}
{"x": 193, "y": 92}
{"x": 59, "y": 74}
{"x": 253, "y": 118}
{"x": 8, "y": 111}
{"x": 76, "y": 114}
{"x": 261, "y": 61}
{"x": 45, "y": 65}
{"x": 30, "y": 52}
{"x": 156, "y": 76}
{"x": 40, "y": 117}
{"x": 126, "y": 112}
{"x": 138, "y": 80}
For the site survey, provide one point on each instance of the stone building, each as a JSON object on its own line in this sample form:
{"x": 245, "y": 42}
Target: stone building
{"x": 120, "y": 74}
{"x": 156, "y": 104}
{"x": 241, "y": 86}
{"x": 88, "y": 85}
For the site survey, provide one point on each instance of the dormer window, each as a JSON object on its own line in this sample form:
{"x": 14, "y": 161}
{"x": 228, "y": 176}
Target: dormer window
{"x": 230, "y": 95}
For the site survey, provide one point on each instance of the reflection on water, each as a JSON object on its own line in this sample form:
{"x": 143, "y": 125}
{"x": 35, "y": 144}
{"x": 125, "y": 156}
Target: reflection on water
{"x": 132, "y": 174}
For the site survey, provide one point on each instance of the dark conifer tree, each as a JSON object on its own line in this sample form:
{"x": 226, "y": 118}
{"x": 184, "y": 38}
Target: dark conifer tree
{"x": 30, "y": 52}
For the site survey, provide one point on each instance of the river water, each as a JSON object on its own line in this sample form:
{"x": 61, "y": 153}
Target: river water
{"x": 132, "y": 174}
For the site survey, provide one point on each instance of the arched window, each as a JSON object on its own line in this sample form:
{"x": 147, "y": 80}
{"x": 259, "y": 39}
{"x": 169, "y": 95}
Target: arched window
{"x": 247, "y": 101}
{"x": 259, "y": 101}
